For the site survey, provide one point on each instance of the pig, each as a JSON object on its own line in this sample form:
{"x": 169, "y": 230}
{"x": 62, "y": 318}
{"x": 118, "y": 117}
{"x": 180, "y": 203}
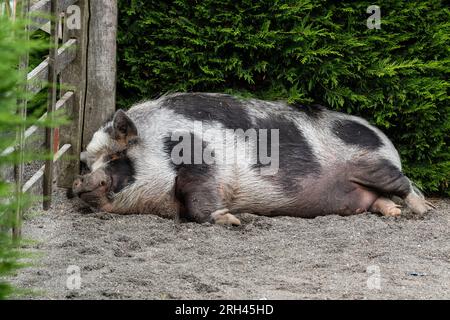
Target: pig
{"x": 293, "y": 160}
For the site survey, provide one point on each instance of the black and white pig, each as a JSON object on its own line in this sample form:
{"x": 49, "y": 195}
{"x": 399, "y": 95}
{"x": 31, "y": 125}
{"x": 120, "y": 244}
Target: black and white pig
{"x": 207, "y": 156}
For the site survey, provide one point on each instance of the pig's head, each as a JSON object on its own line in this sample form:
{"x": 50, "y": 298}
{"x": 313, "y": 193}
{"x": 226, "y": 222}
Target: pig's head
{"x": 97, "y": 188}
{"x": 106, "y": 157}
{"x": 113, "y": 138}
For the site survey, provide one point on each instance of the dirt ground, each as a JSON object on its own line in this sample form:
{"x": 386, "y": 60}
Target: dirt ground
{"x": 365, "y": 256}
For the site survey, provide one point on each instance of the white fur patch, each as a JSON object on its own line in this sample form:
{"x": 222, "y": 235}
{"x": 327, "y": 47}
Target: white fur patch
{"x": 99, "y": 141}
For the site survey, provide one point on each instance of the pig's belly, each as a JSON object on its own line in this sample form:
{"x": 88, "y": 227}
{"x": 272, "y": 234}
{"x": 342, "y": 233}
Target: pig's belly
{"x": 309, "y": 198}
{"x": 342, "y": 197}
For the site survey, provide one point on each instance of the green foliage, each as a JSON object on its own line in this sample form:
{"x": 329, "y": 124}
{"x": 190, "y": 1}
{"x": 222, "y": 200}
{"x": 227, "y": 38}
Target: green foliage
{"x": 13, "y": 44}
{"x": 397, "y": 77}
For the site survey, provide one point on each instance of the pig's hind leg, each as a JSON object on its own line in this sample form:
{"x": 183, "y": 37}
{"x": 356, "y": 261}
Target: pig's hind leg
{"x": 199, "y": 197}
{"x": 386, "y": 207}
{"x": 387, "y": 180}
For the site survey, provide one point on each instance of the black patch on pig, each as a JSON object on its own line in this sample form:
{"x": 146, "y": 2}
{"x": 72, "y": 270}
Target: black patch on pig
{"x": 109, "y": 130}
{"x": 84, "y": 169}
{"x": 123, "y": 128}
{"x": 314, "y": 111}
{"x": 382, "y": 176}
{"x": 121, "y": 171}
{"x": 223, "y": 108}
{"x": 199, "y": 169}
{"x": 296, "y": 157}
{"x": 354, "y": 133}
{"x": 195, "y": 188}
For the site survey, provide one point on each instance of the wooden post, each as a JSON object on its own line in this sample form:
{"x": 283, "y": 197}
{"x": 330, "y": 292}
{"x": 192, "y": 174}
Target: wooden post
{"x": 49, "y": 131}
{"x": 74, "y": 76}
{"x": 101, "y": 72}
{"x": 22, "y": 111}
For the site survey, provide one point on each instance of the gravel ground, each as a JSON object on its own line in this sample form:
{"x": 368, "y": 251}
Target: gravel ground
{"x": 365, "y": 256}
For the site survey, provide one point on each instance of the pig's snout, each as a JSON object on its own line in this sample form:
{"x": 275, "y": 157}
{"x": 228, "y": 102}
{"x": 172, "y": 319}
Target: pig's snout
{"x": 93, "y": 188}
{"x": 77, "y": 184}
{"x": 97, "y": 180}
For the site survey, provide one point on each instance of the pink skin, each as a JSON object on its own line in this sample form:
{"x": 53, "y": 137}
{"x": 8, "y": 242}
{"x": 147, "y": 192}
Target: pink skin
{"x": 93, "y": 188}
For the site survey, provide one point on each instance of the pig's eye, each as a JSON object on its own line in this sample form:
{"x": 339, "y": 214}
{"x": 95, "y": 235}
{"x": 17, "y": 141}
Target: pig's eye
{"x": 103, "y": 183}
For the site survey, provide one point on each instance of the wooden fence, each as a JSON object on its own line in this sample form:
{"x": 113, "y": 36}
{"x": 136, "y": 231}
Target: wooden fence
{"x": 80, "y": 74}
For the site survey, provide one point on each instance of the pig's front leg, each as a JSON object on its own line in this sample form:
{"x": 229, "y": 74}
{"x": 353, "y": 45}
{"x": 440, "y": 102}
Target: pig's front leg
{"x": 223, "y": 216}
{"x": 199, "y": 196}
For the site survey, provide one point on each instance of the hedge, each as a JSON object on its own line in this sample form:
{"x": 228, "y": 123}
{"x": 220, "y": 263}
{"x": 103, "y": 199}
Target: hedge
{"x": 303, "y": 51}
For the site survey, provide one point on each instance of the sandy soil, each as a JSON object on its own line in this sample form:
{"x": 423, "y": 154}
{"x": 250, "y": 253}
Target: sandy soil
{"x": 147, "y": 257}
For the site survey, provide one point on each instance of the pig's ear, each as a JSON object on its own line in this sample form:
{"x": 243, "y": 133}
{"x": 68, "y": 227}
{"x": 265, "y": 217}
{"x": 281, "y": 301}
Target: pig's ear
{"x": 124, "y": 129}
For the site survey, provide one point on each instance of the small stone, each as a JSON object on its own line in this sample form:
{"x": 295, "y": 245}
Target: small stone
{"x": 417, "y": 274}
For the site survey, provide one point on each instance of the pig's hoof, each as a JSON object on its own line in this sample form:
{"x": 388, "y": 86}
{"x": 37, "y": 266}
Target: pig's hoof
{"x": 392, "y": 211}
{"x": 224, "y": 217}
{"x": 418, "y": 205}
{"x": 386, "y": 207}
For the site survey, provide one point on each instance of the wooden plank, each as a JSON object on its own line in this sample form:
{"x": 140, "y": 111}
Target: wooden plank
{"x": 46, "y": 28}
{"x": 22, "y": 112}
{"x": 101, "y": 74}
{"x": 37, "y": 78}
{"x": 34, "y": 138}
{"x": 50, "y": 131}
{"x": 33, "y": 181}
{"x": 75, "y": 75}
{"x": 40, "y": 12}
{"x": 64, "y": 102}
